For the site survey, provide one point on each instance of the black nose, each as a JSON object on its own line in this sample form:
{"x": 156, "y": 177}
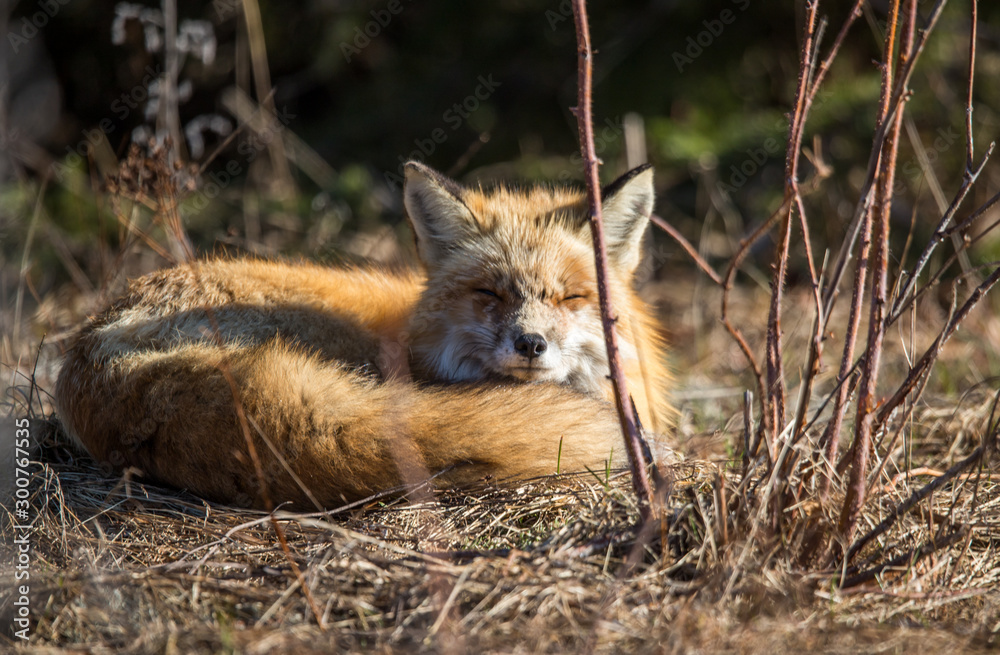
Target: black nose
{"x": 530, "y": 345}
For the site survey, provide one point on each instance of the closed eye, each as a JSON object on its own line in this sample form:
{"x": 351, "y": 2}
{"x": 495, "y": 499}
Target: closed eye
{"x": 487, "y": 292}
{"x": 576, "y": 297}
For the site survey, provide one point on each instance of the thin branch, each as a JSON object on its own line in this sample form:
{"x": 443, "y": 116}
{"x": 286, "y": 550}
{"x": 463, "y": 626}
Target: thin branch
{"x": 865, "y": 421}
{"x": 915, "y": 498}
{"x": 623, "y": 402}
{"x": 662, "y": 223}
{"x": 815, "y": 357}
{"x": 969, "y": 147}
{"x": 907, "y": 559}
{"x": 900, "y": 91}
{"x": 906, "y": 295}
{"x": 775, "y": 368}
{"x": 736, "y": 333}
{"x": 931, "y": 354}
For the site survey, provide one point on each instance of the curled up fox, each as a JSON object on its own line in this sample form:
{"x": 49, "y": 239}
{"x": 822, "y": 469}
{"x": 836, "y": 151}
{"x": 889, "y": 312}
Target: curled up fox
{"x": 489, "y": 363}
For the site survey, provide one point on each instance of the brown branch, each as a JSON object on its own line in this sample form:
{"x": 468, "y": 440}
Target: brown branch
{"x": 982, "y": 209}
{"x": 907, "y": 559}
{"x": 824, "y": 67}
{"x": 815, "y": 356}
{"x": 965, "y": 244}
{"x": 906, "y": 295}
{"x": 969, "y": 178}
{"x": 803, "y": 105}
{"x": 899, "y": 93}
{"x": 915, "y": 498}
{"x": 822, "y": 311}
{"x": 623, "y": 402}
{"x": 736, "y": 333}
{"x": 931, "y": 354}
{"x": 972, "y": 74}
{"x": 830, "y": 441}
{"x": 672, "y": 232}
{"x": 865, "y": 421}
{"x": 775, "y": 368}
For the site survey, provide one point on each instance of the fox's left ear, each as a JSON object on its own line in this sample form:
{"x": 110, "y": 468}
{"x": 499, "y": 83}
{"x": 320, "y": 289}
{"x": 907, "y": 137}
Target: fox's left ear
{"x": 626, "y": 205}
{"x": 436, "y": 211}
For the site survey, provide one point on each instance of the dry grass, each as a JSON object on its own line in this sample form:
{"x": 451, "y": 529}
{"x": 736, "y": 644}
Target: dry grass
{"x": 532, "y": 568}
{"x": 547, "y": 566}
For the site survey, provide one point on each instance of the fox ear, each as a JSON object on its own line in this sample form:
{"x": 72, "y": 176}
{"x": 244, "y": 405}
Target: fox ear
{"x": 626, "y": 205}
{"x": 437, "y": 214}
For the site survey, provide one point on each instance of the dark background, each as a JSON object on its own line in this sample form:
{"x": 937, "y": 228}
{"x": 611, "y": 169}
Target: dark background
{"x": 711, "y": 81}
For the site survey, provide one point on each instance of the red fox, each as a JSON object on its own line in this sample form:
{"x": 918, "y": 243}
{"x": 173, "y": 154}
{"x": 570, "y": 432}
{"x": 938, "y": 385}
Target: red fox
{"x": 490, "y": 363}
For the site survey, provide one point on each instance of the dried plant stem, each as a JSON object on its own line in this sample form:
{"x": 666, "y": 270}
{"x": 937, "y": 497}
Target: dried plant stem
{"x": 915, "y": 499}
{"x": 623, "y": 402}
{"x": 169, "y": 115}
{"x": 688, "y": 248}
{"x": 735, "y": 332}
{"x": 823, "y": 309}
{"x": 262, "y": 82}
{"x": 775, "y": 407}
{"x": 925, "y": 363}
{"x": 816, "y": 342}
{"x": 969, "y": 146}
{"x": 907, "y": 559}
{"x": 865, "y": 421}
{"x": 972, "y": 172}
{"x": 830, "y": 441}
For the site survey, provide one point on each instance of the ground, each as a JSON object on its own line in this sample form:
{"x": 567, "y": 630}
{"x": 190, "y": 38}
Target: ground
{"x": 552, "y": 565}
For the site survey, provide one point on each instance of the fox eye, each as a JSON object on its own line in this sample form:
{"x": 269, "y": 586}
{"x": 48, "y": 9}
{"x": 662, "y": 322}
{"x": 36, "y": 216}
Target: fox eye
{"x": 487, "y": 292}
{"x": 574, "y": 297}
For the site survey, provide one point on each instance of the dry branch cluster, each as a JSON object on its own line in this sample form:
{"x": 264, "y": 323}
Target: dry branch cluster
{"x": 808, "y": 469}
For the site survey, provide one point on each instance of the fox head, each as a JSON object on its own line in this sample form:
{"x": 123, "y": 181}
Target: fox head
{"x": 511, "y": 282}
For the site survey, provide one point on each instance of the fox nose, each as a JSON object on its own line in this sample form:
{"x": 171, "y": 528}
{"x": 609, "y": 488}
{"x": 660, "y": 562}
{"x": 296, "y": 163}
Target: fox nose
{"x": 530, "y": 345}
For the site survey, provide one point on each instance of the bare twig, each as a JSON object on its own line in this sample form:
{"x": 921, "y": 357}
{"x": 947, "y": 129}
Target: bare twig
{"x": 735, "y": 332}
{"x": 969, "y": 178}
{"x": 969, "y": 147}
{"x": 865, "y": 421}
{"x": 914, "y": 499}
{"x": 262, "y": 82}
{"x": 169, "y": 117}
{"x": 830, "y": 441}
{"x": 924, "y": 364}
{"x": 623, "y": 402}
{"x": 661, "y": 223}
{"x": 906, "y": 559}
{"x": 775, "y": 392}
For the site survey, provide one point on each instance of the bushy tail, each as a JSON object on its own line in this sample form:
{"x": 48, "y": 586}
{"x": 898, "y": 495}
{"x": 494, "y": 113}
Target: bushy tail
{"x": 322, "y": 435}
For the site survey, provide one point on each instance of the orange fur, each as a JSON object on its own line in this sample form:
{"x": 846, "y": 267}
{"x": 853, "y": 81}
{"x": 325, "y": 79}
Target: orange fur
{"x": 501, "y": 335}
